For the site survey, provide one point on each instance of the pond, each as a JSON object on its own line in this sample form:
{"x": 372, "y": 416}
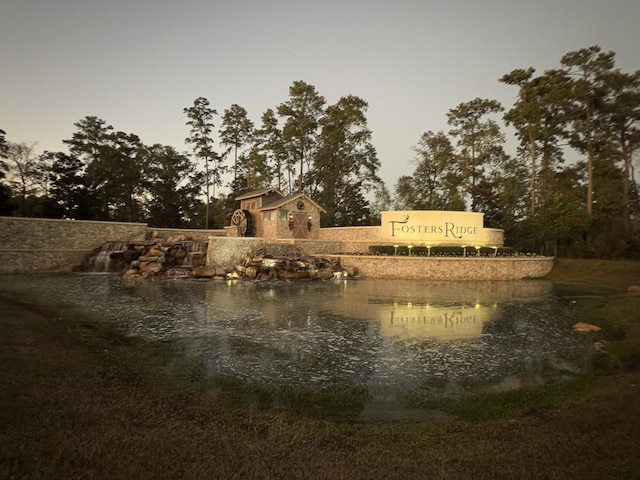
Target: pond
{"x": 376, "y": 344}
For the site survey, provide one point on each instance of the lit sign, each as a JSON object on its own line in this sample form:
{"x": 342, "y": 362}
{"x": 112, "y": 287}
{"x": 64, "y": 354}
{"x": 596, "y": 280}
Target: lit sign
{"x": 438, "y": 228}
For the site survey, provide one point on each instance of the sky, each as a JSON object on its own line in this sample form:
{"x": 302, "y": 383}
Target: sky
{"x": 138, "y": 63}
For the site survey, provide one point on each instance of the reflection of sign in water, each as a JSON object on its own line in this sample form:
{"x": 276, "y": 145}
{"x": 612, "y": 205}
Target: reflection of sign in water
{"x": 426, "y": 321}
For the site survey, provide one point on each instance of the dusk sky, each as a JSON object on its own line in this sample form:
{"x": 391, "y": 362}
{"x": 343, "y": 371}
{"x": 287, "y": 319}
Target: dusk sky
{"x": 137, "y": 63}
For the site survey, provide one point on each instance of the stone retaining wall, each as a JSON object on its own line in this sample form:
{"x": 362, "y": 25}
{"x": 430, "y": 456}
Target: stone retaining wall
{"x": 200, "y": 235}
{"x": 44, "y": 245}
{"x": 448, "y": 268}
{"x": 369, "y": 235}
{"x": 29, "y": 245}
{"x": 224, "y": 251}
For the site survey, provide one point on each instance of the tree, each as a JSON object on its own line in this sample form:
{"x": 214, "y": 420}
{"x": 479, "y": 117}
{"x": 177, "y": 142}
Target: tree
{"x": 201, "y": 122}
{"x": 236, "y": 131}
{"x": 479, "y": 138}
{"x": 437, "y": 177}
{"x": 302, "y": 112}
{"x": 4, "y": 147}
{"x": 269, "y": 147}
{"x": 69, "y": 190}
{"x": 588, "y": 67}
{"x": 381, "y": 202}
{"x": 346, "y": 163}
{"x": 405, "y": 193}
{"x": 92, "y": 134}
{"x": 173, "y": 187}
{"x": 5, "y": 194}
{"x": 621, "y": 109}
{"x": 92, "y": 137}
{"x": 23, "y": 173}
{"x": 256, "y": 172}
{"x": 117, "y": 176}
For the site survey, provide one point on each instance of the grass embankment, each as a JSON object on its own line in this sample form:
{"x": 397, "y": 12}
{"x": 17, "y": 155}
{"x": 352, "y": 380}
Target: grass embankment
{"x": 77, "y": 400}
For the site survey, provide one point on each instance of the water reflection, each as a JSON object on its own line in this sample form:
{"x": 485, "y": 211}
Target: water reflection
{"x": 387, "y": 337}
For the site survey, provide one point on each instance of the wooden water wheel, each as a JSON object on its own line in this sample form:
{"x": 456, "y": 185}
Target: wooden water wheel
{"x": 241, "y": 219}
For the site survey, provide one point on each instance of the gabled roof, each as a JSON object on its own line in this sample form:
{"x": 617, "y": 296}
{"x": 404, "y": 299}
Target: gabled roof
{"x": 289, "y": 198}
{"x": 259, "y": 193}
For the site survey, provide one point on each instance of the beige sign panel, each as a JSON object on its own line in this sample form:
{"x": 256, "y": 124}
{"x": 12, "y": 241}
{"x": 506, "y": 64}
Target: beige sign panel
{"x": 435, "y": 227}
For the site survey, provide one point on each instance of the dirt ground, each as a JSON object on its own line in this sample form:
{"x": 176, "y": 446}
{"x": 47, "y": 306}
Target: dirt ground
{"x": 78, "y": 401}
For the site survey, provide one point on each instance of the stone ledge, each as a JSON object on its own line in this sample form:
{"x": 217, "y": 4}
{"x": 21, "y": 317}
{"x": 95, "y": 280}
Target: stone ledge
{"x": 448, "y": 268}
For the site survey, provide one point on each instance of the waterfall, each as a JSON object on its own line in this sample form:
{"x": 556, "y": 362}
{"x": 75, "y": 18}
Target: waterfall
{"x": 196, "y": 254}
{"x": 101, "y": 263}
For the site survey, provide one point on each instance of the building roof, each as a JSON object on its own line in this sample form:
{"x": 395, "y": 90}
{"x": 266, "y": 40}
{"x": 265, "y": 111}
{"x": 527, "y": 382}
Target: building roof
{"x": 259, "y": 193}
{"x": 277, "y": 203}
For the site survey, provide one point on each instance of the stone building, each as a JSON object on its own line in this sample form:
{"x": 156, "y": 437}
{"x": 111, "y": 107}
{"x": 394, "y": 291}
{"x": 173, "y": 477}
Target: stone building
{"x": 268, "y": 213}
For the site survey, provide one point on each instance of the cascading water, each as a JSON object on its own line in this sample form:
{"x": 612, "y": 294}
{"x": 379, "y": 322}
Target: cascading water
{"x": 101, "y": 263}
{"x": 196, "y": 254}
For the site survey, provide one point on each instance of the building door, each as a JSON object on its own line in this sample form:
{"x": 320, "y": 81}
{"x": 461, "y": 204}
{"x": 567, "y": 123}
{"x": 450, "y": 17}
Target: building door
{"x": 300, "y": 228}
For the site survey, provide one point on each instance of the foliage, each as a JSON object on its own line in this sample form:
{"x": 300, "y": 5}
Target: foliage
{"x": 236, "y": 132}
{"x": 479, "y": 139}
{"x": 302, "y": 113}
{"x": 24, "y": 174}
{"x": 173, "y": 187}
{"x": 346, "y": 164}
{"x": 569, "y": 189}
{"x": 200, "y": 117}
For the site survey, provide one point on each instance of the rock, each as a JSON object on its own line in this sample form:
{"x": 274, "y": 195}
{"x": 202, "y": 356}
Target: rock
{"x": 204, "y": 272}
{"x": 251, "y": 272}
{"x": 634, "y": 288}
{"x": 272, "y": 262}
{"x": 178, "y": 255}
{"x": 150, "y": 267}
{"x": 154, "y": 252}
{"x": 350, "y": 271}
{"x": 176, "y": 239}
{"x": 586, "y": 327}
{"x": 322, "y": 273}
{"x": 152, "y": 259}
{"x": 287, "y": 275}
{"x": 220, "y": 272}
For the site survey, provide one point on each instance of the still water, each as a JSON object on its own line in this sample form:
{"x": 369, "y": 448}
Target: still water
{"x": 388, "y": 338}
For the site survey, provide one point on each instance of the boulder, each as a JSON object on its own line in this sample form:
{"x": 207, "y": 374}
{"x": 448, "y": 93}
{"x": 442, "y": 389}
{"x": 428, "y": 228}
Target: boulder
{"x": 287, "y": 275}
{"x": 251, "y": 272}
{"x": 178, "y": 255}
{"x": 586, "y": 327}
{"x": 154, "y": 252}
{"x": 150, "y": 267}
{"x": 634, "y": 288}
{"x": 204, "y": 272}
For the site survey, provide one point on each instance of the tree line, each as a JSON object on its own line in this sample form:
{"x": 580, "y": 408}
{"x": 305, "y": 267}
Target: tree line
{"x": 570, "y": 187}
{"x": 300, "y": 145}
{"x": 586, "y": 110}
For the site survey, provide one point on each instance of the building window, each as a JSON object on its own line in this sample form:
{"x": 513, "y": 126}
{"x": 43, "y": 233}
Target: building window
{"x": 267, "y": 216}
{"x": 284, "y": 216}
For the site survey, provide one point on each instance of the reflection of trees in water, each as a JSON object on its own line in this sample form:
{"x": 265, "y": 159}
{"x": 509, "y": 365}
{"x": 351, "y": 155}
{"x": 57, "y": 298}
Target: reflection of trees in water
{"x": 316, "y": 333}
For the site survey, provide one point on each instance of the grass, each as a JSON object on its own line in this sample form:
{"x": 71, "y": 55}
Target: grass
{"x": 78, "y": 400}
{"x": 507, "y": 404}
